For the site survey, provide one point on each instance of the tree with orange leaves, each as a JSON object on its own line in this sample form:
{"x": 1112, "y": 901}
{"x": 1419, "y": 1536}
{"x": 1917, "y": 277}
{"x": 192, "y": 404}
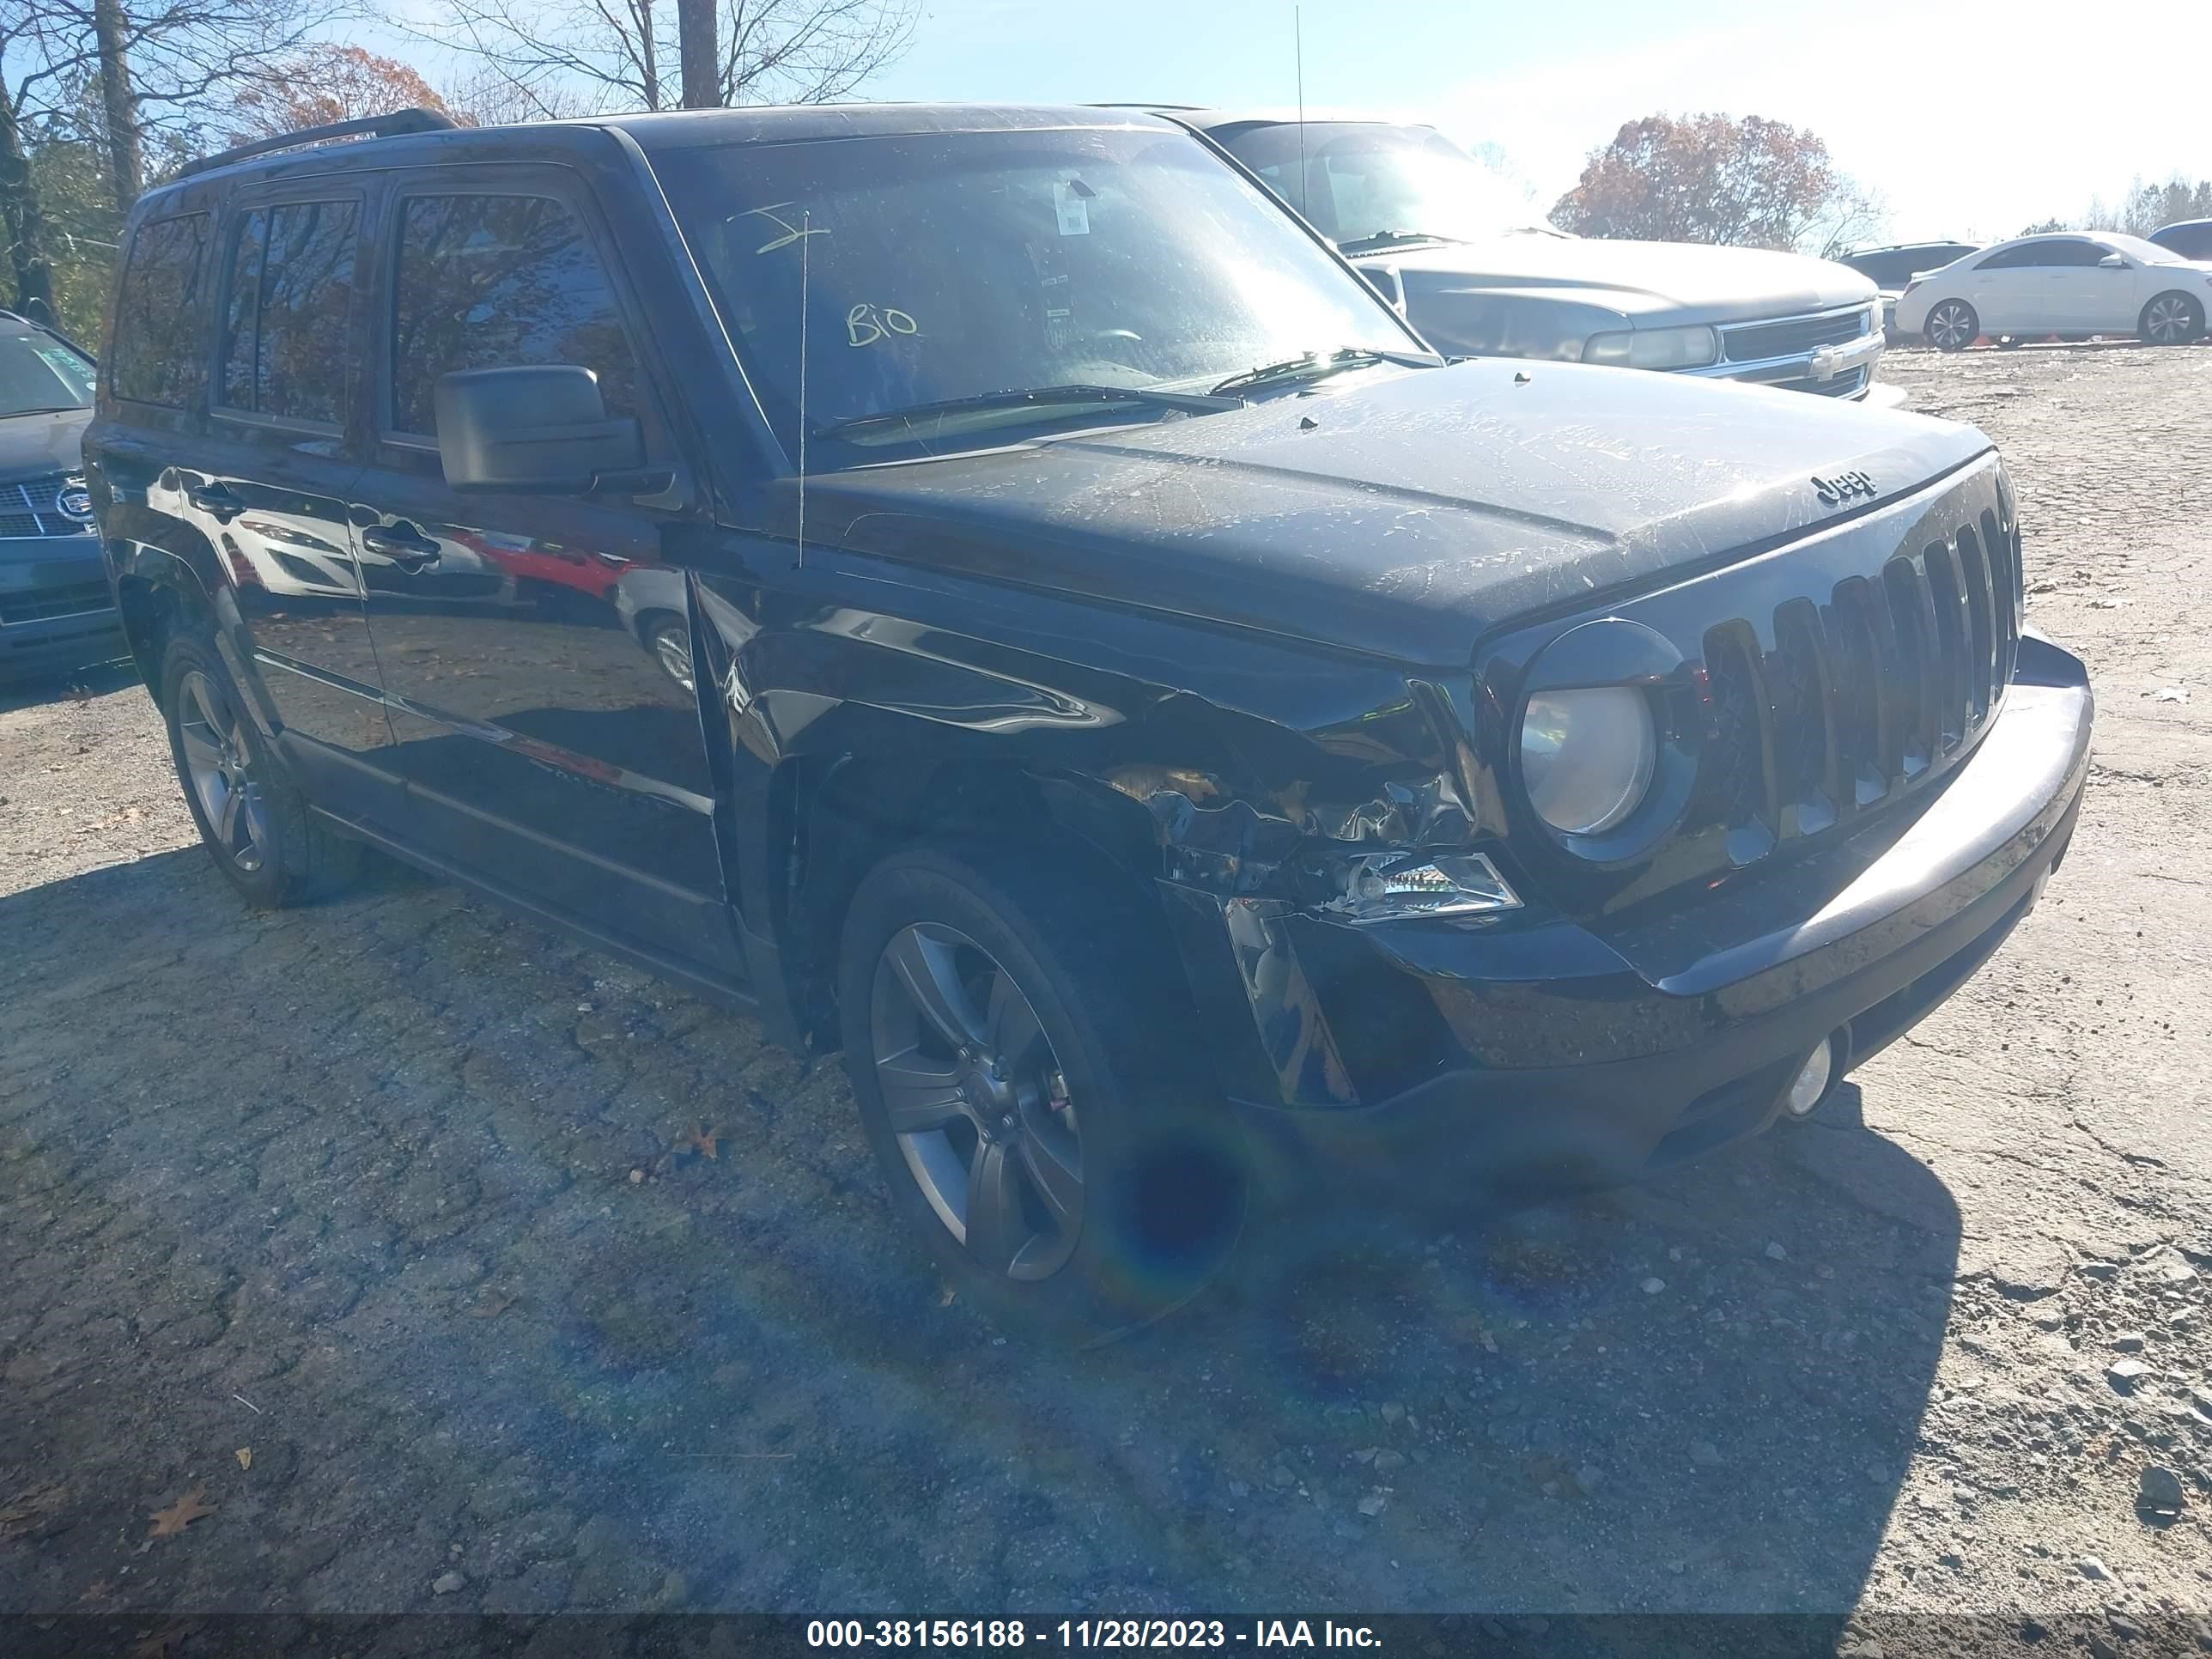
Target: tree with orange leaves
{"x": 328, "y": 83}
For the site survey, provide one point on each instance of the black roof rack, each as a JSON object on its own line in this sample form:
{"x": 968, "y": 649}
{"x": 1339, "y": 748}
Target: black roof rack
{"x": 399, "y": 121}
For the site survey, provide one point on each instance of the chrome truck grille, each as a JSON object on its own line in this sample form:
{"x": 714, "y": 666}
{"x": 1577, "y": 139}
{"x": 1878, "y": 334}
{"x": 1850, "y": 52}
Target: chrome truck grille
{"x": 1790, "y": 337}
{"x": 32, "y": 507}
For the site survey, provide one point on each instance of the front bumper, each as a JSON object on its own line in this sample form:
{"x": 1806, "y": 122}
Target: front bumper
{"x": 56, "y": 611}
{"x": 1496, "y": 1062}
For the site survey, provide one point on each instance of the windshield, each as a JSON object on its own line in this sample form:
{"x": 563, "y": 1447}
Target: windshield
{"x": 1365, "y": 184}
{"x": 959, "y": 265}
{"x": 38, "y": 373}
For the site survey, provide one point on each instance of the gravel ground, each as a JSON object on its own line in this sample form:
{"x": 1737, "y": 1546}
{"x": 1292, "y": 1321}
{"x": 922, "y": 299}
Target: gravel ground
{"x": 368, "y": 1224}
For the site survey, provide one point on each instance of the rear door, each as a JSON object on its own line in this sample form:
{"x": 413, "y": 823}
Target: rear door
{"x": 535, "y": 648}
{"x": 271, "y": 483}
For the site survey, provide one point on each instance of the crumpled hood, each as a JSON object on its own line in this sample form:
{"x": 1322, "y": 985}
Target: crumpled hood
{"x": 1403, "y": 513}
{"x": 1648, "y": 282}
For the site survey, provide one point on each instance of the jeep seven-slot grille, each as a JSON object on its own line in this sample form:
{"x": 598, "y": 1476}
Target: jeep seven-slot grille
{"x": 1859, "y": 698}
{"x": 30, "y": 507}
{"x": 1791, "y": 337}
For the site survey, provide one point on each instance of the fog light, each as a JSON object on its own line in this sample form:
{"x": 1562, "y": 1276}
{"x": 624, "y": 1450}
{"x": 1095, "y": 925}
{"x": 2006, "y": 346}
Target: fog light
{"x": 1397, "y": 886}
{"x": 1811, "y": 1084}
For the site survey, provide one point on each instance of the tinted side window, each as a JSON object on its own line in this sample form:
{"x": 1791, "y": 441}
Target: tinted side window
{"x": 2072, "y": 254}
{"x": 284, "y": 322}
{"x": 2010, "y": 258}
{"x": 158, "y": 356}
{"x": 487, "y": 282}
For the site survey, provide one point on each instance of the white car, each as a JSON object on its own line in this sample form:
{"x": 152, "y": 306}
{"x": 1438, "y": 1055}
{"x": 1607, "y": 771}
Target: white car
{"x": 2075, "y": 283}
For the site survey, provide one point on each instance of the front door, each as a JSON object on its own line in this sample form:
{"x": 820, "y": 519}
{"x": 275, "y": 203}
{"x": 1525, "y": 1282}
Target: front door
{"x": 279, "y": 472}
{"x": 2081, "y": 292}
{"x": 2009, "y": 290}
{"x": 535, "y": 649}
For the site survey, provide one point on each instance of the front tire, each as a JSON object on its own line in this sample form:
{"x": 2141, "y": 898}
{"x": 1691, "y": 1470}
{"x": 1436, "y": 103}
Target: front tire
{"x": 252, "y": 818}
{"x": 2174, "y": 319}
{"x": 1031, "y": 1091}
{"x": 1953, "y": 326}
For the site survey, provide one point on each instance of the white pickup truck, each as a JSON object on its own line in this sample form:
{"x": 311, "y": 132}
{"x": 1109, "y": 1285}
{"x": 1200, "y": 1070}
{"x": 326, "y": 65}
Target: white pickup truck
{"x": 1431, "y": 227}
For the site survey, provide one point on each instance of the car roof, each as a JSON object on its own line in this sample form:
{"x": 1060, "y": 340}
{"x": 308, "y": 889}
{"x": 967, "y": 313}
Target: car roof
{"x": 800, "y": 123}
{"x": 669, "y": 129}
{"x": 2182, "y": 224}
{"x": 1907, "y": 247}
{"x": 1214, "y": 120}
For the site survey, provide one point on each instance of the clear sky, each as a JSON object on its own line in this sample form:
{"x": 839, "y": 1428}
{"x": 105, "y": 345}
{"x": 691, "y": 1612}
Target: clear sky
{"x": 1971, "y": 118}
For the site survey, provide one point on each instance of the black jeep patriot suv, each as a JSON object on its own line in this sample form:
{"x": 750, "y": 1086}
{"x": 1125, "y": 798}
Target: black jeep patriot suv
{"x": 991, "y": 592}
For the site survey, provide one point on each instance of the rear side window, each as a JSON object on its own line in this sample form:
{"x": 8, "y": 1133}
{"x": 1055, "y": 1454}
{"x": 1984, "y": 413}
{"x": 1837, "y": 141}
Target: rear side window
{"x": 160, "y": 315}
{"x": 284, "y": 319}
{"x": 489, "y": 281}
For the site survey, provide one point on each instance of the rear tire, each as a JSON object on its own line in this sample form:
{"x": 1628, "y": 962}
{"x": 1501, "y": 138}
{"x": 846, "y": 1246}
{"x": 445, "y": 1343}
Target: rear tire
{"x": 668, "y": 637}
{"x": 1076, "y": 1172}
{"x": 252, "y": 818}
{"x": 1953, "y": 326}
{"x": 2174, "y": 319}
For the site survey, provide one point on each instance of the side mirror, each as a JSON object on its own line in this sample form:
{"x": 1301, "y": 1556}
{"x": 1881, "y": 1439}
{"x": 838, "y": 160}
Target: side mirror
{"x": 2113, "y": 262}
{"x": 544, "y": 431}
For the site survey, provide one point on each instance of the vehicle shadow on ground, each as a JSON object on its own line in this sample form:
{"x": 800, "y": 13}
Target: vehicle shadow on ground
{"x": 83, "y": 684}
{"x": 399, "y": 1175}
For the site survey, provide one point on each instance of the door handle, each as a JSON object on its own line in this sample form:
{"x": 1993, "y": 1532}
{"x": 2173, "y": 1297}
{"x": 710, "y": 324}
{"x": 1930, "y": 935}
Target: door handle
{"x": 218, "y": 501}
{"x": 403, "y": 544}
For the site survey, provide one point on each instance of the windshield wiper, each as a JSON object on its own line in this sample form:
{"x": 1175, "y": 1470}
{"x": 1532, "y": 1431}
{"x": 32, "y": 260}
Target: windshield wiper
{"x": 1382, "y": 239}
{"x": 1042, "y": 397}
{"x": 44, "y": 409}
{"x": 1315, "y": 364}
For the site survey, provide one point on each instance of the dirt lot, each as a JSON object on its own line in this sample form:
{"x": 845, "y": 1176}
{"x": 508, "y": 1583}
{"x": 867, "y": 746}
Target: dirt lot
{"x": 363, "y": 1223}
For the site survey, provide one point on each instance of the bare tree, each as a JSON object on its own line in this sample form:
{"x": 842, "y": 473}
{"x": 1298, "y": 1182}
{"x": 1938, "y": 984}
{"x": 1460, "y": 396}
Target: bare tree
{"x": 25, "y": 95}
{"x": 160, "y": 62}
{"x": 628, "y": 54}
{"x": 487, "y": 97}
{"x": 696, "y": 22}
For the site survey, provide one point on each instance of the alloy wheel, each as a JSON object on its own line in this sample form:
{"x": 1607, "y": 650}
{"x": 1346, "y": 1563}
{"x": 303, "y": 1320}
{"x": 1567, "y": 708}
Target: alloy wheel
{"x": 978, "y": 1100}
{"x": 220, "y": 769}
{"x": 2168, "y": 320}
{"x": 1951, "y": 326}
{"x": 671, "y": 648}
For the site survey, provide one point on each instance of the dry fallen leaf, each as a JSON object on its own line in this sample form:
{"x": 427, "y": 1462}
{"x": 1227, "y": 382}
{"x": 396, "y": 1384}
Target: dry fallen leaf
{"x": 492, "y": 1308}
{"x": 245, "y": 1456}
{"x": 700, "y": 1140}
{"x": 181, "y": 1514}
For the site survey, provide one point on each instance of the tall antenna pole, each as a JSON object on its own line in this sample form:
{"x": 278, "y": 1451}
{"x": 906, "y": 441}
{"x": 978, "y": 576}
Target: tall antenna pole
{"x": 806, "y": 247}
{"x": 1299, "y": 46}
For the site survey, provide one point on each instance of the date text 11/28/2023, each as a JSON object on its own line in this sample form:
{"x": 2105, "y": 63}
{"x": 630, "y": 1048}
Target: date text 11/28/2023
{"x": 1008, "y": 1634}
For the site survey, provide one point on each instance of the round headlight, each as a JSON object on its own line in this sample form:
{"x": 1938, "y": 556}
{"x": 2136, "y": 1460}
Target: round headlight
{"x": 1587, "y": 756}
